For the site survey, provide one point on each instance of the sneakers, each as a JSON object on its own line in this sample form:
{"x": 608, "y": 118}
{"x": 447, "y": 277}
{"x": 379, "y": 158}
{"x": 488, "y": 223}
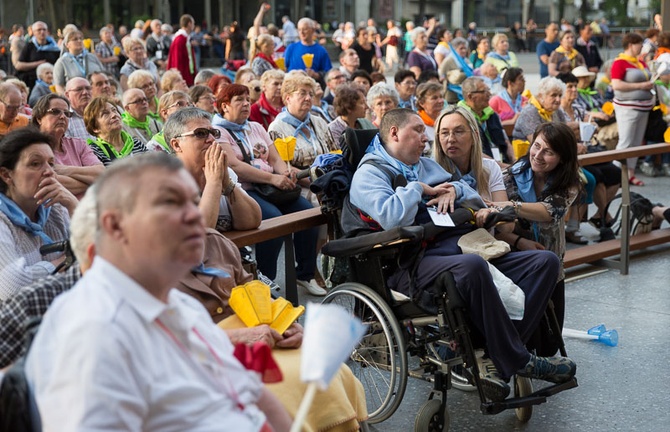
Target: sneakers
{"x": 552, "y": 369}
{"x": 312, "y": 287}
{"x": 648, "y": 169}
{"x": 267, "y": 281}
{"x": 493, "y": 385}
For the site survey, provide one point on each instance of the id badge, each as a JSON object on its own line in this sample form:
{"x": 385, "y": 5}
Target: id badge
{"x": 159, "y": 55}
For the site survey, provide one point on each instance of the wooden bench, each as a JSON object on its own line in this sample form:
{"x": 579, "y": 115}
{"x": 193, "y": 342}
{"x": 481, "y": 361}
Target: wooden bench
{"x": 596, "y": 253}
{"x": 282, "y": 227}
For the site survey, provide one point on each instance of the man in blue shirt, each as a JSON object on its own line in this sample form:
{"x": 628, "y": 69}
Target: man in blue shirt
{"x": 545, "y": 48}
{"x": 307, "y": 45}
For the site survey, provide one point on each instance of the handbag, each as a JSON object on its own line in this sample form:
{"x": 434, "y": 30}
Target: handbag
{"x": 268, "y": 192}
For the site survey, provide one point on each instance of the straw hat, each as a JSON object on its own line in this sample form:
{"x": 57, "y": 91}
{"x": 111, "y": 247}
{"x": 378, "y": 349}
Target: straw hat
{"x": 581, "y": 71}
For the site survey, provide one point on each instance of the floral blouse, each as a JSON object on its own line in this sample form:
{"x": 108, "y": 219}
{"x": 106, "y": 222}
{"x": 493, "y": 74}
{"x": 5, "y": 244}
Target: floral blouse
{"x": 550, "y": 234}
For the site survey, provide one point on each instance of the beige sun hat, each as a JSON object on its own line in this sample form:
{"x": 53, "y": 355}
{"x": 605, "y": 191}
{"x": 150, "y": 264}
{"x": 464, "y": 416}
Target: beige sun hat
{"x": 581, "y": 71}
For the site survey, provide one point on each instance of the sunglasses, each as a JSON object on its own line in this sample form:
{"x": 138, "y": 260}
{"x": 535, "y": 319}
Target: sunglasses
{"x": 57, "y": 112}
{"x": 202, "y": 133}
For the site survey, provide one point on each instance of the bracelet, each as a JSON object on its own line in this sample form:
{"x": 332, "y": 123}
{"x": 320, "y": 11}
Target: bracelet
{"x": 517, "y": 206}
{"x": 516, "y": 243}
{"x": 230, "y": 188}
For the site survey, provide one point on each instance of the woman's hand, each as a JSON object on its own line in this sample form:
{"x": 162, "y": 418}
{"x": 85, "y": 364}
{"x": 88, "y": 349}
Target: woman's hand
{"x": 216, "y": 165}
{"x": 292, "y": 337}
{"x": 51, "y": 191}
{"x": 525, "y": 244}
{"x": 482, "y": 214}
{"x": 281, "y": 181}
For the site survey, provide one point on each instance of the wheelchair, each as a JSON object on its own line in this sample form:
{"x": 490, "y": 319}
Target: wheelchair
{"x": 400, "y": 330}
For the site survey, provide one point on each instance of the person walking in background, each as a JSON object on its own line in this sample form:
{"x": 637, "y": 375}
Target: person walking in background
{"x": 546, "y": 47}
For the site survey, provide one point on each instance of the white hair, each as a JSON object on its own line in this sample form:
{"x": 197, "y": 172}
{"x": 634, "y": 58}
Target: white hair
{"x": 548, "y": 84}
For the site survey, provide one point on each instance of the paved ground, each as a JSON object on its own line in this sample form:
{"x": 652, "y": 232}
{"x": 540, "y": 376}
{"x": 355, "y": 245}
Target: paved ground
{"x": 624, "y": 388}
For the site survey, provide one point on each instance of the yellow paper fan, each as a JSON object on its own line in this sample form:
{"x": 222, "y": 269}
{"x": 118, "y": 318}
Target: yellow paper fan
{"x": 284, "y": 314}
{"x": 308, "y": 59}
{"x": 608, "y": 108}
{"x": 252, "y": 303}
{"x": 280, "y": 63}
{"x": 666, "y": 135}
{"x": 520, "y": 148}
{"x": 286, "y": 148}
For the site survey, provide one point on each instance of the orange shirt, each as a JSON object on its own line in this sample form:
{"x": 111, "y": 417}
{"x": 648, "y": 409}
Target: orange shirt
{"x": 19, "y": 122}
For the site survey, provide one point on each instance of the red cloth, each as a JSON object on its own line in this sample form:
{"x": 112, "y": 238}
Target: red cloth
{"x": 262, "y": 112}
{"x": 258, "y": 358}
{"x": 178, "y": 59}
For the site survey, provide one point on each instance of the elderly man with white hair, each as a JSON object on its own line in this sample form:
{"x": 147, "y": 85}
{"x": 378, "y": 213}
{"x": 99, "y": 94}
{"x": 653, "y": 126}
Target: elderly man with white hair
{"x": 158, "y": 46}
{"x": 294, "y": 53}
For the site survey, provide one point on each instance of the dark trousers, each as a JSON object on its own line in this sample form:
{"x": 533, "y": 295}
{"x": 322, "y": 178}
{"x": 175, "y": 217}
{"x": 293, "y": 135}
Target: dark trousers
{"x": 535, "y": 272}
{"x": 304, "y": 241}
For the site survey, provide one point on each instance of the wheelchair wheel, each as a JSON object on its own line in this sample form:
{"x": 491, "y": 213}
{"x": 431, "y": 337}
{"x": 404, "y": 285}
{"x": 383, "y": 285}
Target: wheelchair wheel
{"x": 523, "y": 387}
{"x": 380, "y": 359}
{"x": 428, "y": 418}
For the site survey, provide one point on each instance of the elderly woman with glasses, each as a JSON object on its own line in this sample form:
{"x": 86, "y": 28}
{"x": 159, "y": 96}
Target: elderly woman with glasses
{"x": 168, "y": 104}
{"x": 203, "y": 98}
{"x": 223, "y": 203}
{"x": 137, "y": 60}
{"x": 136, "y": 119}
{"x": 429, "y": 102}
{"x": 103, "y": 121}
{"x": 543, "y": 107}
{"x": 75, "y": 164}
{"x": 311, "y": 132}
{"x": 35, "y": 210}
{"x": 145, "y": 81}
{"x": 254, "y": 158}
{"x": 381, "y": 98}
{"x": 75, "y": 61}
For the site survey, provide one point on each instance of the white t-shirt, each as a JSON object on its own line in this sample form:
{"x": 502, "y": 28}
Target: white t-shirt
{"x": 496, "y": 182}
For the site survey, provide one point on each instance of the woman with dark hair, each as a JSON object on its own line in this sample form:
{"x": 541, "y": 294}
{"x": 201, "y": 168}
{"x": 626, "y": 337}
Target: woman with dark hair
{"x": 76, "y": 165}
{"x": 478, "y": 56}
{"x": 236, "y": 44}
{"x": 541, "y": 187}
{"x": 633, "y": 98}
{"x": 509, "y": 102}
{"x": 254, "y": 158}
{"x": 35, "y": 209}
{"x": 351, "y": 107}
{"x": 362, "y": 79}
{"x": 103, "y": 121}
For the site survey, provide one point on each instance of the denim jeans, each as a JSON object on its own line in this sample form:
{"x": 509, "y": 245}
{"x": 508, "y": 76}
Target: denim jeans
{"x": 267, "y": 253}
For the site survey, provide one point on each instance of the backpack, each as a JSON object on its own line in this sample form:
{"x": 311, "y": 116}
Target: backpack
{"x": 641, "y": 216}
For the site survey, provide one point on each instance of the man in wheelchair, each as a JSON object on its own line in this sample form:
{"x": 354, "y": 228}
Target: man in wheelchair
{"x": 377, "y": 199}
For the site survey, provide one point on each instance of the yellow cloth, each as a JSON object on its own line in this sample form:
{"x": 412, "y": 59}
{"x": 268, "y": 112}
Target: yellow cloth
{"x": 634, "y": 61}
{"x": 338, "y": 409}
{"x": 545, "y": 114}
{"x": 570, "y": 55}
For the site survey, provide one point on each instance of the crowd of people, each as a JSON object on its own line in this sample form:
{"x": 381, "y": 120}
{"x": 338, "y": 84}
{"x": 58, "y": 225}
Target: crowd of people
{"x": 144, "y": 161}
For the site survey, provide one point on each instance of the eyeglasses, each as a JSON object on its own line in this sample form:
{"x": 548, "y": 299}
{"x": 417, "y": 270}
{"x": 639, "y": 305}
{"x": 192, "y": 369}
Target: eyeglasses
{"x": 139, "y": 101}
{"x": 303, "y": 93}
{"x": 81, "y": 89}
{"x": 76, "y": 39}
{"x": 137, "y": 48}
{"x": 101, "y": 83}
{"x": 57, "y": 112}
{"x": 457, "y": 133}
{"x": 337, "y": 77}
{"x": 148, "y": 86}
{"x": 481, "y": 91}
{"x": 408, "y": 83}
{"x": 202, "y": 133}
{"x": 180, "y": 104}
{"x": 10, "y": 107}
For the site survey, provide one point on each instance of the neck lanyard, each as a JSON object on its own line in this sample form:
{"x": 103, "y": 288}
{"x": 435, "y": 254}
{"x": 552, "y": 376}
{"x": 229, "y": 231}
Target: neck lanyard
{"x": 82, "y": 68}
{"x": 209, "y": 377}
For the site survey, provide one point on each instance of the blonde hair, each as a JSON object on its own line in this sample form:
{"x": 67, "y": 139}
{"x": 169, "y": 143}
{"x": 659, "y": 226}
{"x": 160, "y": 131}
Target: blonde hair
{"x": 497, "y": 38}
{"x": 480, "y": 172}
{"x": 294, "y": 82}
{"x": 272, "y": 74}
{"x": 169, "y": 98}
{"x": 169, "y": 78}
{"x": 130, "y": 42}
{"x": 136, "y": 78}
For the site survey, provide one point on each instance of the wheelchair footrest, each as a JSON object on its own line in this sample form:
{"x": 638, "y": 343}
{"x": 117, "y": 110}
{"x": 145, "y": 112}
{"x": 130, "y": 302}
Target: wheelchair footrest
{"x": 490, "y": 408}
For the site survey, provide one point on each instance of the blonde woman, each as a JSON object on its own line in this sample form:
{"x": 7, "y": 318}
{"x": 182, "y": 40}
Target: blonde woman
{"x": 501, "y": 57}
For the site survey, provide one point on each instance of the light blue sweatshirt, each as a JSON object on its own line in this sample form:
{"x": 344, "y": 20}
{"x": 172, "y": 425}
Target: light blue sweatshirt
{"x": 371, "y": 190}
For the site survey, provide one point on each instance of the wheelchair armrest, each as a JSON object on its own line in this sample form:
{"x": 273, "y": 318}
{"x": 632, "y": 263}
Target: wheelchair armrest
{"x": 361, "y": 244}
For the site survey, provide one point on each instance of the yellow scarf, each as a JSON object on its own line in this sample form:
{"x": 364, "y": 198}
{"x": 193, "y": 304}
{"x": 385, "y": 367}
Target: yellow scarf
{"x": 634, "y": 61}
{"x": 427, "y": 120}
{"x": 570, "y": 55}
{"x": 545, "y": 114}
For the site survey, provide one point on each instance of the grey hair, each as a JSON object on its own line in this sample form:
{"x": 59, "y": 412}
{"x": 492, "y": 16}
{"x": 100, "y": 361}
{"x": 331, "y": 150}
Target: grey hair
{"x": 382, "y": 89}
{"x": 456, "y": 42}
{"x": 43, "y": 68}
{"x": 416, "y": 31}
{"x": 203, "y": 77}
{"x": 309, "y": 21}
{"x": 176, "y": 123}
{"x": 469, "y": 85}
{"x": 83, "y": 225}
{"x": 547, "y": 84}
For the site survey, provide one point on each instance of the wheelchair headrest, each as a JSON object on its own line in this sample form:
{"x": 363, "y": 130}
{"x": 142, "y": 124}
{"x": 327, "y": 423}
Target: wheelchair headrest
{"x": 354, "y": 143}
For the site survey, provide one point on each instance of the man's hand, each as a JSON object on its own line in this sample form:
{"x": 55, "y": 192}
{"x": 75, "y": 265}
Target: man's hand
{"x": 444, "y": 203}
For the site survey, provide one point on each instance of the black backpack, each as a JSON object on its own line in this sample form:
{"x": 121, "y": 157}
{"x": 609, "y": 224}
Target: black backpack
{"x": 18, "y": 410}
{"x": 641, "y": 217}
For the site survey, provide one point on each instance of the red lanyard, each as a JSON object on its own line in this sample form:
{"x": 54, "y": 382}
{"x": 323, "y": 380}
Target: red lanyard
{"x": 186, "y": 352}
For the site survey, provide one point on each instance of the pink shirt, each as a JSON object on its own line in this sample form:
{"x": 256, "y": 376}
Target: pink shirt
{"x": 75, "y": 152}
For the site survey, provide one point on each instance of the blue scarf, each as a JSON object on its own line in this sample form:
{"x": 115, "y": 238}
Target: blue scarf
{"x": 21, "y": 220}
{"x": 523, "y": 177}
{"x": 411, "y": 172}
{"x": 409, "y": 104}
{"x": 495, "y": 55}
{"x": 298, "y": 124}
{"x": 240, "y": 130}
{"x": 40, "y": 82}
{"x": 50, "y": 45}
{"x": 467, "y": 178}
{"x": 465, "y": 67}
{"x": 209, "y": 271}
{"x": 516, "y": 105}
{"x": 323, "y": 110}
